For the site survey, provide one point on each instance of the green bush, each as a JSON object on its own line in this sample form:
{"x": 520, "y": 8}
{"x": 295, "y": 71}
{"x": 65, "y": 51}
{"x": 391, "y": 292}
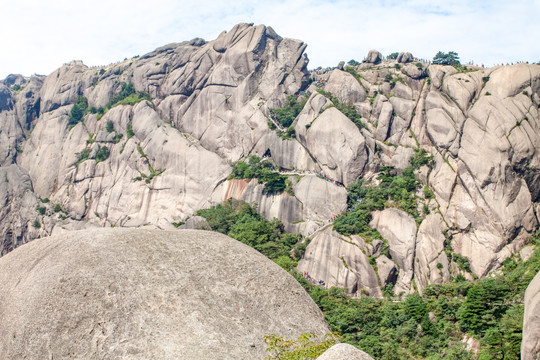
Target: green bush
{"x": 242, "y": 222}
{"x": 262, "y": 170}
{"x": 102, "y": 154}
{"x": 78, "y": 111}
{"x": 83, "y": 155}
{"x": 126, "y": 96}
{"x": 286, "y": 115}
{"x": 303, "y": 348}
{"x": 110, "y": 126}
{"x": 485, "y": 304}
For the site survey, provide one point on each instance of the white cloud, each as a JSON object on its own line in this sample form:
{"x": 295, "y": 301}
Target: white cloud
{"x": 39, "y": 36}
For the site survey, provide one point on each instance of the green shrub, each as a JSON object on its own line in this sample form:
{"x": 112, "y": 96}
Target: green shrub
{"x": 57, "y": 208}
{"x": 78, "y": 111}
{"x": 286, "y": 115}
{"x": 110, "y": 126}
{"x": 41, "y": 210}
{"x": 242, "y": 222}
{"x": 102, "y": 154}
{"x": 178, "y": 224}
{"x": 303, "y": 348}
{"x": 395, "y": 189}
{"x": 126, "y": 96}
{"x": 83, "y": 155}
{"x": 36, "y": 224}
{"x": 129, "y": 131}
{"x": 262, "y": 170}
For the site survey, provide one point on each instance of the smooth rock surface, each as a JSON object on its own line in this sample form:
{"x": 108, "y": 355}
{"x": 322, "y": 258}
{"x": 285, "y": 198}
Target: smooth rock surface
{"x": 141, "y": 294}
{"x": 344, "y": 352}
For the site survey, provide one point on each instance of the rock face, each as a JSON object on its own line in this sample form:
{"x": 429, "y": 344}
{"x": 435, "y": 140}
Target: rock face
{"x": 344, "y": 352}
{"x": 373, "y": 57}
{"x": 140, "y": 294}
{"x": 210, "y": 106}
{"x": 530, "y": 345}
{"x": 404, "y": 57}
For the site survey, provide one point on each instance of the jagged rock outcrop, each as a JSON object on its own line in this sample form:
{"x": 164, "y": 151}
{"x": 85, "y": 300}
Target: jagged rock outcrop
{"x": 530, "y": 345}
{"x": 399, "y": 228}
{"x": 345, "y": 263}
{"x": 373, "y": 57}
{"x": 210, "y": 106}
{"x": 404, "y": 57}
{"x": 344, "y": 352}
{"x": 137, "y": 293}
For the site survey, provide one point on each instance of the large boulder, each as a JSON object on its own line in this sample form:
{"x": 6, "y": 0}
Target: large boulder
{"x": 530, "y": 345}
{"x": 404, "y": 57}
{"x": 344, "y": 352}
{"x": 373, "y": 57}
{"x": 146, "y": 294}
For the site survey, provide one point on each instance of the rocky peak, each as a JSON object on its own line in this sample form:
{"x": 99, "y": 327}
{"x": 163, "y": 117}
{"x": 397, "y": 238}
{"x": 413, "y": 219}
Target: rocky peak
{"x": 149, "y": 140}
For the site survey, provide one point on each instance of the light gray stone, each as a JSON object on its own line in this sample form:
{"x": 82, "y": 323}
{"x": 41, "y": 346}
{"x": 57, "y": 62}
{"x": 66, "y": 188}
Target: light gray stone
{"x": 404, "y": 57}
{"x": 399, "y": 228}
{"x": 344, "y": 352}
{"x": 373, "y": 57}
{"x": 117, "y": 293}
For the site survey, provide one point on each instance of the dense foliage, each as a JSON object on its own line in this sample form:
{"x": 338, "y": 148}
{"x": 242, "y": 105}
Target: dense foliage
{"x": 449, "y": 58}
{"x": 394, "y": 190}
{"x": 285, "y": 116}
{"x": 262, "y": 170}
{"x": 242, "y": 222}
{"x": 428, "y": 326}
{"x": 79, "y": 109}
{"x": 432, "y": 325}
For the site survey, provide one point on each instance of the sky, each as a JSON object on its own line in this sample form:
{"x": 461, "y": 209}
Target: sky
{"x": 39, "y": 36}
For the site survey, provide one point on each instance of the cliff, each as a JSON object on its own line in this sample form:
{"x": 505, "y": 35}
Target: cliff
{"x": 204, "y": 105}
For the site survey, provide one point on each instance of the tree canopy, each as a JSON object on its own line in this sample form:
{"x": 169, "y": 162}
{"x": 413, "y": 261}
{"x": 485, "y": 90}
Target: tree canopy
{"x": 450, "y": 58}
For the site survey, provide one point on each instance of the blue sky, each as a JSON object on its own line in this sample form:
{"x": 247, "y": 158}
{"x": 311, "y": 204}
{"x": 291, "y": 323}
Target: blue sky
{"x": 39, "y": 36}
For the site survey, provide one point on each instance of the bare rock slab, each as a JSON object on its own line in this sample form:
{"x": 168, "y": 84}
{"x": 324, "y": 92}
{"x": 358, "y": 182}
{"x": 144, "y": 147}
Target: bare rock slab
{"x": 146, "y": 294}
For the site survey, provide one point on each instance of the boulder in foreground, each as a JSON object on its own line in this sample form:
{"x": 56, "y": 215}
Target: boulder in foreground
{"x": 134, "y": 293}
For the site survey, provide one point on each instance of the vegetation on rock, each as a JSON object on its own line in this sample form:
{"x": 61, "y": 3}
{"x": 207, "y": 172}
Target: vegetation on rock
{"x": 432, "y": 325}
{"x": 449, "y": 58}
{"x": 262, "y": 170}
{"x": 394, "y": 190}
{"x": 285, "y": 116}
{"x": 304, "y": 348}
{"x": 347, "y": 109}
{"x": 79, "y": 109}
{"x": 242, "y": 222}
{"x": 126, "y": 96}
